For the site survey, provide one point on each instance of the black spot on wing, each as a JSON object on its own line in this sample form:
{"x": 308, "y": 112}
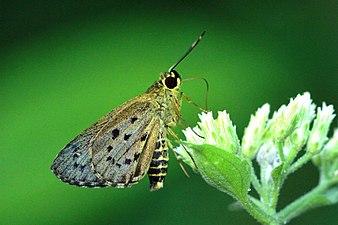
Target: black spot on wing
{"x": 75, "y": 165}
{"x": 76, "y": 155}
{"x": 126, "y": 137}
{"x": 128, "y": 161}
{"x": 109, "y": 148}
{"x": 136, "y": 156}
{"x": 132, "y": 120}
{"x": 144, "y": 137}
{"x": 82, "y": 167}
{"x": 115, "y": 133}
{"x": 109, "y": 158}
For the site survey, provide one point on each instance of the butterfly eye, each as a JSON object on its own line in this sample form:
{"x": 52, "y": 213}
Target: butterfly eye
{"x": 170, "y": 82}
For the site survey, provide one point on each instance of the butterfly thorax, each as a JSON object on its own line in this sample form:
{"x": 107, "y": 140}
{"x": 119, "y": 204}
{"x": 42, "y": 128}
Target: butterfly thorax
{"x": 165, "y": 92}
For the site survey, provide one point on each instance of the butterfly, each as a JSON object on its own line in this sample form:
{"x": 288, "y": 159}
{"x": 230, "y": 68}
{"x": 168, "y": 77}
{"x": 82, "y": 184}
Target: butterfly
{"x": 129, "y": 142}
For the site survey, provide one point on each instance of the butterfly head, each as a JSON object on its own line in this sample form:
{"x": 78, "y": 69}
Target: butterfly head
{"x": 171, "y": 80}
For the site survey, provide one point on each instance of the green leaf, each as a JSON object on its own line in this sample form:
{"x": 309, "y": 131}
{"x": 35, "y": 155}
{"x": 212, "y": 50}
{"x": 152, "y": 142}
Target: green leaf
{"x": 277, "y": 175}
{"x": 222, "y": 170}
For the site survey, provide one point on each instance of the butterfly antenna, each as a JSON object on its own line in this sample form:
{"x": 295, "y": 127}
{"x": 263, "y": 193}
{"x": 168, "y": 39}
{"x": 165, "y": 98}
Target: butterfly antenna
{"x": 189, "y": 50}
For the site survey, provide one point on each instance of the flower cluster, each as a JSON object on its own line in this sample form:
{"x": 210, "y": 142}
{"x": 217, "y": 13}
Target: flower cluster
{"x": 289, "y": 125}
{"x": 296, "y": 134}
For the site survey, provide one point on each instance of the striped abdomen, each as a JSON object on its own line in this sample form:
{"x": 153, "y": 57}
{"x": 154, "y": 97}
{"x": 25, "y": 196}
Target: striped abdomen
{"x": 159, "y": 164}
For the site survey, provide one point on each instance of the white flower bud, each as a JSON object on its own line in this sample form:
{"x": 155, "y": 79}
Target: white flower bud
{"x": 219, "y": 132}
{"x": 288, "y": 118}
{"x": 318, "y": 136}
{"x": 227, "y": 137}
{"x": 253, "y": 134}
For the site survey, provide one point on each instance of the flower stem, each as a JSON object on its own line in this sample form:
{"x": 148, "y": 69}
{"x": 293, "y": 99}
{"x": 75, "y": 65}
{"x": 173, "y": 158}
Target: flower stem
{"x": 280, "y": 150}
{"x": 312, "y": 199}
{"x": 290, "y": 158}
{"x": 300, "y": 162}
{"x": 254, "y": 180}
{"x": 259, "y": 213}
{"x": 275, "y": 195}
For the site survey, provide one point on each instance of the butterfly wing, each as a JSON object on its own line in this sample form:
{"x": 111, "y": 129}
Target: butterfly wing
{"x": 121, "y": 152}
{"x": 80, "y": 162}
{"x": 72, "y": 164}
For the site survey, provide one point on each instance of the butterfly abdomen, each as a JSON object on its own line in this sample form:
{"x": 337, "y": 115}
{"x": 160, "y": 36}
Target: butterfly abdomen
{"x": 159, "y": 164}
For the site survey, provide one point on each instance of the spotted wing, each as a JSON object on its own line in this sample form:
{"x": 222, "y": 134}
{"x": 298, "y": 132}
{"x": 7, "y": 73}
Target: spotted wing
{"x": 73, "y": 164}
{"x": 122, "y": 151}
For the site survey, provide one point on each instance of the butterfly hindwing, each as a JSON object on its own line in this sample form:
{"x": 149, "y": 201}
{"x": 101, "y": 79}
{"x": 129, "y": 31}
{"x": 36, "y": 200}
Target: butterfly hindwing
{"x": 72, "y": 164}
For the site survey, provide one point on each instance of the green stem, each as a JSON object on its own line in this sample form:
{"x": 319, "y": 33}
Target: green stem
{"x": 300, "y": 162}
{"x": 275, "y": 194}
{"x": 265, "y": 186}
{"x": 310, "y": 200}
{"x": 278, "y": 182}
{"x": 280, "y": 150}
{"x": 257, "y": 202}
{"x": 324, "y": 171}
{"x": 332, "y": 170}
{"x": 254, "y": 180}
{"x": 259, "y": 213}
{"x": 292, "y": 155}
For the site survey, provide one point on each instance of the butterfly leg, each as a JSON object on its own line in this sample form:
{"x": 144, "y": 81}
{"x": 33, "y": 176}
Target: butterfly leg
{"x": 172, "y": 133}
{"x": 191, "y": 102}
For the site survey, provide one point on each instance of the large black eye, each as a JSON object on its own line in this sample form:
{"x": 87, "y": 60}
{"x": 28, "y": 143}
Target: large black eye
{"x": 170, "y": 82}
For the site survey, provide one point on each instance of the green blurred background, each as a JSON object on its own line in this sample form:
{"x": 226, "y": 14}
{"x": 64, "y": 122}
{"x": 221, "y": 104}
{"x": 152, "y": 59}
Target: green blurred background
{"x": 64, "y": 64}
